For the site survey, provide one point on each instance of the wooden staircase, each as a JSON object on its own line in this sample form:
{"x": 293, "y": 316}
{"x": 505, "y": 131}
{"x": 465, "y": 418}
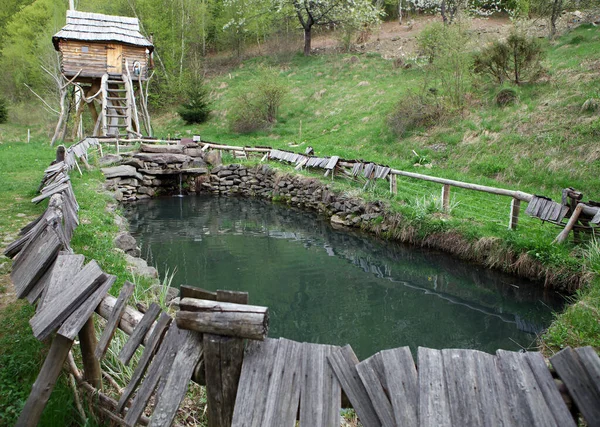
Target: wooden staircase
{"x": 117, "y": 106}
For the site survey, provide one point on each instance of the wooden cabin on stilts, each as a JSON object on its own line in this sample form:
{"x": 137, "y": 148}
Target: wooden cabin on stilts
{"x": 107, "y": 61}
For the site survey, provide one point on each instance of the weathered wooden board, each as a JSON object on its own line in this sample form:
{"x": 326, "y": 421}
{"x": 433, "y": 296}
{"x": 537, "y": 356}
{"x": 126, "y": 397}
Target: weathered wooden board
{"x": 550, "y": 391}
{"x": 161, "y": 365}
{"x": 113, "y": 322}
{"x": 33, "y": 261}
{"x": 45, "y": 382}
{"x": 493, "y": 398}
{"x": 283, "y": 396}
{"x": 402, "y": 384}
{"x": 37, "y": 290}
{"x": 65, "y": 267}
{"x": 139, "y": 333}
{"x": 526, "y": 401}
{"x": 579, "y": 382}
{"x": 197, "y": 293}
{"x": 180, "y": 374}
{"x": 333, "y": 160}
{"x": 462, "y": 387}
{"x": 71, "y": 327}
{"x": 344, "y": 361}
{"x": 59, "y": 189}
{"x": 78, "y": 290}
{"x": 251, "y": 399}
{"x": 434, "y": 408}
{"x": 590, "y": 360}
{"x": 321, "y": 394}
{"x": 367, "y": 370}
{"x": 154, "y": 342}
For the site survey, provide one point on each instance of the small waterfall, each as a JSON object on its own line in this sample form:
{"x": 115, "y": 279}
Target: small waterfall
{"x": 180, "y": 186}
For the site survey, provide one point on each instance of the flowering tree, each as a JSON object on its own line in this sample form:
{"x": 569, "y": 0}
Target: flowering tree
{"x": 331, "y": 12}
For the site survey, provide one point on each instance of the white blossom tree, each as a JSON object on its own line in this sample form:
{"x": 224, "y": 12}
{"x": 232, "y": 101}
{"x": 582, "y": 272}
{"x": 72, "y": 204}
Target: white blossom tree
{"x": 312, "y": 13}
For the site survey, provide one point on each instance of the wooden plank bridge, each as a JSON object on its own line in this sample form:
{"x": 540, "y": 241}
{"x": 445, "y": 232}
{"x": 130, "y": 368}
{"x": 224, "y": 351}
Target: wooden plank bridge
{"x": 217, "y": 339}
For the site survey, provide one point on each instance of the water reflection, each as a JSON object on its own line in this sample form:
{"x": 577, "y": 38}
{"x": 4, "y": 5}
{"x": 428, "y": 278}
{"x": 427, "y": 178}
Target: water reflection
{"x": 329, "y": 286}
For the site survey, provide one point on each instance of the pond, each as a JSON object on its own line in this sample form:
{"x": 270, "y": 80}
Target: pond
{"x": 329, "y": 286}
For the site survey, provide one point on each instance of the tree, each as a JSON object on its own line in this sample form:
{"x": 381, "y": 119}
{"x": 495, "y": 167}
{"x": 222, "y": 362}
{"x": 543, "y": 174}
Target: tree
{"x": 312, "y": 13}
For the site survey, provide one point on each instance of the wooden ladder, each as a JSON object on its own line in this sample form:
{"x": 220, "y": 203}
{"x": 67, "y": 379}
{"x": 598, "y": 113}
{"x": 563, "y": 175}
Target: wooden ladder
{"x": 116, "y": 108}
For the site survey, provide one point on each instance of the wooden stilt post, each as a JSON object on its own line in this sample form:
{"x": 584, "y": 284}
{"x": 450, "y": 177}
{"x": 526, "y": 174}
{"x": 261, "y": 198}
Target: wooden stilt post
{"x": 446, "y": 198}
{"x": 515, "y": 208}
{"x": 92, "y": 372}
{"x": 45, "y": 382}
{"x": 393, "y": 183}
{"x": 572, "y": 221}
{"x": 223, "y": 358}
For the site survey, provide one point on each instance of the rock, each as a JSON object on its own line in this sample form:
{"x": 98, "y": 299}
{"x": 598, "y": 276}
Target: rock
{"x": 213, "y": 157}
{"x": 109, "y": 159}
{"x": 194, "y": 152}
{"x": 141, "y": 267}
{"x": 198, "y": 163}
{"x": 151, "y": 148}
{"x": 146, "y": 190}
{"x": 125, "y": 242}
{"x": 169, "y": 292}
{"x": 132, "y": 182}
{"x": 121, "y": 171}
{"x": 138, "y": 164}
{"x": 163, "y": 158}
{"x": 224, "y": 172}
{"x": 338, "y": 221}
{"x": 118, "y": 195}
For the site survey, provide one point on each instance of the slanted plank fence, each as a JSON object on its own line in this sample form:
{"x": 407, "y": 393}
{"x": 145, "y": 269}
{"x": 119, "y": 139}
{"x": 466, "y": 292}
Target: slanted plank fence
{"x": 266, "y": 382}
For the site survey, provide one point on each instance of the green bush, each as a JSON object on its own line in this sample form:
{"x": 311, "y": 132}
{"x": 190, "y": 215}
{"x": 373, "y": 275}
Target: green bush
{"x": 518, "y": 59}
{"x": 414, "y": 112}
{"x": 3, "y": 110}
{"x": 431, "y": 40}
{"x": 258, "y": 107}
{"x": 197, "y": 107}
{"x": 506, "y": 96}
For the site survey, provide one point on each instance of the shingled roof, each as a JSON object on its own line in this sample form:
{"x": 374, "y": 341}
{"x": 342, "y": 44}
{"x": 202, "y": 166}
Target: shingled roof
{"x": 97, "y": 27}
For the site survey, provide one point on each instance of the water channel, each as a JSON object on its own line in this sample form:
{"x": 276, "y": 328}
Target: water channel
{"x": 329, "y": 286}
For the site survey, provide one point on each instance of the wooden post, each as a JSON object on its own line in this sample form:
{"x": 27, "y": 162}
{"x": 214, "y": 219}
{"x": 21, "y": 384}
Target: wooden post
{"x": 223, "y": 357}
{"x": 92, "y": 372}
{"x": 393, "y": 183}
{"x": 515, "y": 208}
{"x": 565, "y": 233}
{"x": 446, "y": 198}
{"x": 45, "y": 382}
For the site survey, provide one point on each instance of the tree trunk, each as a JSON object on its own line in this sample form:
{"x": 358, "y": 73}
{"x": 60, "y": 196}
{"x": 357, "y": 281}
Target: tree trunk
{"x": 307, "y": 40}
{"x": 557, "y": 7}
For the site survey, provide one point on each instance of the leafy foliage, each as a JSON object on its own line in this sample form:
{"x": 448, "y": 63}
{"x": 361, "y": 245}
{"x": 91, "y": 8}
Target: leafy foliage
{"x": 518, "y": 59}
{"x": 3, "y": 110}
{"x": 430, "y": 41}
{"x": 197, "y": 107}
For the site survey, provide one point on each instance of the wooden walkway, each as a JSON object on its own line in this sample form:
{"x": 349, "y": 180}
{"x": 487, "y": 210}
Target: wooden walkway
{"x": 283, "y": 379}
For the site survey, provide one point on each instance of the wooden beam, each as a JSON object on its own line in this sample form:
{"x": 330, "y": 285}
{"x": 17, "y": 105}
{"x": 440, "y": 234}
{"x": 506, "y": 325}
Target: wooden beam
{"x": 572, "y": 221}
{"x": 446, "y": 198}
{"x": 113, "y": 321}
{"x": 92, "y": 372}
{"x": 515, "y": 209}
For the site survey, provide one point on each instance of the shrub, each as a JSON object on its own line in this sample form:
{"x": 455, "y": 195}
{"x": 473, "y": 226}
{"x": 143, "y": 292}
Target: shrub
{"x": 430, "y": 41}
{"x": 197, "y": 107}
{"x": 413, "y": 112}
{"x": 3, "y": 110}
{"x": 518, "y": 59}
{"x": 506, "y": 96}
{"x": 257, "y": 108}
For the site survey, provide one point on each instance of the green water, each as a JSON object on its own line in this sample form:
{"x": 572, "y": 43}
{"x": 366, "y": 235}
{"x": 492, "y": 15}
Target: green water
{"x": 328, "y": 286}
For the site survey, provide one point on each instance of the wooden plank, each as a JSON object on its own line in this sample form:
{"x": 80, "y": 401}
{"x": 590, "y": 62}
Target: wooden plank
{"x": 462, "y": 387}
{"x": 590, "y": 360}
{"x": 549, "y": 389}
{"x": 283, "y": 396}
{"x": 321, "y": 394}
{"x": 56, "y": 190}
{"x": 78, "y": 290}
{"x": 186, "y": 291}
{"x": 139, "y": 333}
{"x": 257, "y": 369}
{"x": 180, "y": 374}
{"x": 113, "y": 322}
{"x": 344, "y": 361}
{"x": 402, "y": 384}
{"x": 526, "y": 402}
{"x": 493, "y": 398}
{"x": 73, "y": 324}
{"x": 367, "y": 370}
{"x": 37, "y": 290}
{"x": 531, "y": 206}
{"x": 434, "y": 408}
{"x": 572, "y": 371}
{"x": 161, "y": 365}
{"x": 154, "y": 342}
{"x": 332, "y": 162}
{"x": 33, "y": 261}
{"x": 45, "y": 382}
{"x": 65, "y": 267}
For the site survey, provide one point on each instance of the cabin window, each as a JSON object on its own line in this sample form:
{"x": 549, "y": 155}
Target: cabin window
{"x": 84, "y": 49}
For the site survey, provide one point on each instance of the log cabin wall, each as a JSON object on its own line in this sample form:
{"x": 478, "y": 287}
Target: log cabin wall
{"x": 90, "y": 57}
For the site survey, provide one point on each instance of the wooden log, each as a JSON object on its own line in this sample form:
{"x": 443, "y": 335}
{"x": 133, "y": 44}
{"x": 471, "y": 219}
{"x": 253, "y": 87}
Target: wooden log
{"x": 238, "y": 320}
{"x": 446, "y": 197}
{"x": 92, "y": 372}
{"x": 198, "y": 293}
{"x": 393, "y": 183}
{"x": 45, "y": 382}
{"x": 113, "y": 321}
{"x": 562, "y": 237}
{"x": 515, "y": 208}
{"x": 139, "y": 333}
